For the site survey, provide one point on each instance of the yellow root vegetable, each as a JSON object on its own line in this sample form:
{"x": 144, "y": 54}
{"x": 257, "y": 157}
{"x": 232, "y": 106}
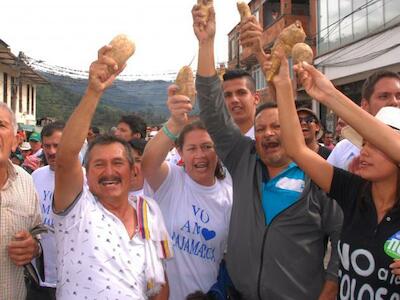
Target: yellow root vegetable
{"x": 244, "y": 10}
{"x": 205, "y": 6}
{"x": 122, "y": 49}
{"x": 185, "y": 82}
{"x": 289, "y": 36}
{"x": 302, "y": 52}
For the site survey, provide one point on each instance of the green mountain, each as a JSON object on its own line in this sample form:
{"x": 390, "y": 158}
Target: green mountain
{"x": 146, "y": 98}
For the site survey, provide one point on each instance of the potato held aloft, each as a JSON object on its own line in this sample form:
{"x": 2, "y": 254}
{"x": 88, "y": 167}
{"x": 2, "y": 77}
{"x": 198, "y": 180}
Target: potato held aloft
{"x": 289, "y": 36}
{"x": 244, "y": 10}
{"x": 122, "y": 49}
{"x": 205, "y": 6}
{"x": 185, "y": 82}
{"x": 302, "y": 52}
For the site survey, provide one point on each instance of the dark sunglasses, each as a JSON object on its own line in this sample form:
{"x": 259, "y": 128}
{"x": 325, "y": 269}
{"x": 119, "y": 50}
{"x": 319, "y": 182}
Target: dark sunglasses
{"x": 307, "y": 120}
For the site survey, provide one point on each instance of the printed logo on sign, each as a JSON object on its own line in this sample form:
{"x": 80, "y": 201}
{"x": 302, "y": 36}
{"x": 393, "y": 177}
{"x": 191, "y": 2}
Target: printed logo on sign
{"x": 392, "y": 246}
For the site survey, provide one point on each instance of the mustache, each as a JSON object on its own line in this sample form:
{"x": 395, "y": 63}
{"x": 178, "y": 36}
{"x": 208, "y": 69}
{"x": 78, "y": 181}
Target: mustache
{"x": 52, "y": 156}
{"x": 109, "y": 178}
{"x": 272, "y": 141}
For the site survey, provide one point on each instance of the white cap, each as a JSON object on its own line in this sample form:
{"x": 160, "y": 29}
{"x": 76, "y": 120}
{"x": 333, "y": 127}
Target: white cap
{"x": 388, "y": 115}
{"x": 25, "y": 146}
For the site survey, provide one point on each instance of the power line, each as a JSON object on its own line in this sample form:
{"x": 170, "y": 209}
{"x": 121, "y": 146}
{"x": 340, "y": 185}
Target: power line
{"x": 361, "y": 59}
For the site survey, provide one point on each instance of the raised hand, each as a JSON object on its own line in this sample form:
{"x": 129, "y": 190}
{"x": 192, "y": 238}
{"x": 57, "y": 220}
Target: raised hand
{"x": 314, "y": 82}
{"x": 179, "y": 107}
{"x": 203, "y": 25}
{"x": 250, "y": 34}
{"x": 103, "y": 71}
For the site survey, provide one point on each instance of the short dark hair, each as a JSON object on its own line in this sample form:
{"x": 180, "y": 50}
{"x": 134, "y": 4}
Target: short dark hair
{"x": 50, "y": 128}
{"x": 107, "y": 139}
{"x": 138, "y": 145}
{"x": 135, "y": 123}
{"x": 369, "y": 84}
{"x": 95, "y": 129}
{"x": 195, "y": 125}
{"x": 264, "y": 106}
{"x": 240, "y": 73}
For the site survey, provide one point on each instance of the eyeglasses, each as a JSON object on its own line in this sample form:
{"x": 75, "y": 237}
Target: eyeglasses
{"x": 308, "y": 120}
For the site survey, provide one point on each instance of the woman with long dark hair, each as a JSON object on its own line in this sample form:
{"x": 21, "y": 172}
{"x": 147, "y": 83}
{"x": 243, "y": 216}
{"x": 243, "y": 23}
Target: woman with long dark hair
{"x": 195, "y": 198}
{"x": 369, "y": 246}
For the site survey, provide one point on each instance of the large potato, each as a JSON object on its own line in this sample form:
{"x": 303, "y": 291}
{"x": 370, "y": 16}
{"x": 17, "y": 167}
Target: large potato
{"x": 205, "y": 6}
{"x": 289, "y": 36}
{"x": 122, "y": 49}
{"x": 302, "y": 52}
{"x": 185, "y": 82}
{"x": 244, "y": 10}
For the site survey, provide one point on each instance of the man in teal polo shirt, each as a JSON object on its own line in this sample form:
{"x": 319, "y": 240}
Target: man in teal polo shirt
{"x": 280, "y": 219}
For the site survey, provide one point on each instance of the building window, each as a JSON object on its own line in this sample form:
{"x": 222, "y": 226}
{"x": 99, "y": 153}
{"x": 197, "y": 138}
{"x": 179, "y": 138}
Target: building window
{"x": 20, "y": 96}
{"x": 28, "y": 98}
{"x": 391, "y": 10}
{"x": 5, "y": 87}
{"x": 346, "y": 24}
{"x": 271, "y": 12}
{"x": 232, "y": 49}
{"x": 345, "y": 21}
{"x": 259, "y": 78}
{"x": 33, "y": 100}
{"x": 13, "y": 93}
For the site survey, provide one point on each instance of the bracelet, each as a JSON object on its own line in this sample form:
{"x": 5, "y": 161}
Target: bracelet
{"x": 169, "y": 134}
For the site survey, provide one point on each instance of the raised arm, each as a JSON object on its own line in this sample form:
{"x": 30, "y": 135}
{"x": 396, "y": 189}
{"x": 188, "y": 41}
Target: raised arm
{"x": 69, "y": 175}
{"x": 154, "y": 167}
{"x": 204, "y": 30}
{"x": 377, "y": 133}
{"x": 320, "y": 171}
{"x": 210, "y": 95}
{"x": 251, "y": 34}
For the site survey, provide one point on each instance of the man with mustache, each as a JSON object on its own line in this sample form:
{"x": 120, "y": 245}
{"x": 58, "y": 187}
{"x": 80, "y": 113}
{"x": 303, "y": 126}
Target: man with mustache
{"x": 279, "y": 219}
{"x": 108, "y": 246}
{"x": 43, "y": 179}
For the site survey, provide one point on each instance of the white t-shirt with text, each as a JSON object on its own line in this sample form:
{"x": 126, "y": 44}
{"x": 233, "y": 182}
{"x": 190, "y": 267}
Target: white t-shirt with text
{"x": 197, "y": 219}
{"x": 43, "y": 179}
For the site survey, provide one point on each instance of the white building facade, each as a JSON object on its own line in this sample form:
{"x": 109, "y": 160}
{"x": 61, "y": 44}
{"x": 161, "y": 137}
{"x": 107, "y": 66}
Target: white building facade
{"x": 18, "y": 87}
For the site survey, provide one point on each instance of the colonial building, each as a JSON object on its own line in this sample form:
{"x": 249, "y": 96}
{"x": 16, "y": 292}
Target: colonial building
{"x": 18, "y": 84}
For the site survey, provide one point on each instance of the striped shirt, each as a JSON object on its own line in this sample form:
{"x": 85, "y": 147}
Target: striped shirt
{"x": 19, "y": 210}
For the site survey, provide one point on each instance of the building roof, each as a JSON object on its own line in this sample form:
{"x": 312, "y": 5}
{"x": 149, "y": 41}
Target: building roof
{"x": 17, "y": 63}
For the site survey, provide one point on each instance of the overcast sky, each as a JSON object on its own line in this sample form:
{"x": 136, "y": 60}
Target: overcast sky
{"x": 69, "y": 33}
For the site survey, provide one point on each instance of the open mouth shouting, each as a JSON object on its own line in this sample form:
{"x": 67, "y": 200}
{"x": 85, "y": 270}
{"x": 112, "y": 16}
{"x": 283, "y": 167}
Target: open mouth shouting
{"x": 271, "y": 145}
{"x": 201, "y": 166}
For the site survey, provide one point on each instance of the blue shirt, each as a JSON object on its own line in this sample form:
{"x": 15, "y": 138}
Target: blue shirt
{"x": 282, "y": 191}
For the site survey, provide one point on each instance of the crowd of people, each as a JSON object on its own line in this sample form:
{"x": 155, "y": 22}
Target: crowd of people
{"x": 244, "y": 201}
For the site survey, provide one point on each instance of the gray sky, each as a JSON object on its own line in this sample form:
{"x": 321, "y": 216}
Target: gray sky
{"x": 69, "y": 33}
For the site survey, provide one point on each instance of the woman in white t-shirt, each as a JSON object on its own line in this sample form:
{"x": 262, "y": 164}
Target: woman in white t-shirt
{"x": 195, "y": 199}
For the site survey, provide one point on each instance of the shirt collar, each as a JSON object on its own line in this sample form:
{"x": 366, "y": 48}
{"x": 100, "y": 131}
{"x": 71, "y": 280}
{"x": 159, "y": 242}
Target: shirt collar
{"x": 265, "y": 175}
{"x": 11, "y": 175}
